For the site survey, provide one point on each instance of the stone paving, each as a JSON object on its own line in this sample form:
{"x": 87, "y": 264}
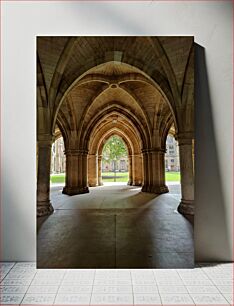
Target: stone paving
{"x": 208, "y": 284}
{"x": 115, "y": 226}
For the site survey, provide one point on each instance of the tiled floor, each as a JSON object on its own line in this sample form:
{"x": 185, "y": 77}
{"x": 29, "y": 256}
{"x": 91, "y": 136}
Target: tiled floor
{"x": 207, "y": 284}
{"x": 115, "y": 227}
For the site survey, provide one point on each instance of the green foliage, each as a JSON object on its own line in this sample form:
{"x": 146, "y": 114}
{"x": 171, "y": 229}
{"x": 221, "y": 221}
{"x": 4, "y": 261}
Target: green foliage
{"x": 114, "y": 149}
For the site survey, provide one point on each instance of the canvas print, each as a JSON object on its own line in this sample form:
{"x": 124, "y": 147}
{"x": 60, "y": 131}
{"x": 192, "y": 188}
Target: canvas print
{"x": 115, "y": 151}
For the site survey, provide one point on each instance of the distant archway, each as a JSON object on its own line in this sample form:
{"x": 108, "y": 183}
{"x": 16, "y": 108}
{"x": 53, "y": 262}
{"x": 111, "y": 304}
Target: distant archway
{"x": 115, "y": 160}
{"x": 58, "y": 159}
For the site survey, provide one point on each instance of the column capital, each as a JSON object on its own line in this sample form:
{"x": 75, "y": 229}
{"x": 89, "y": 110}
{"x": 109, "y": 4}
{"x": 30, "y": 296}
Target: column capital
{"x": 136, "y": 154}
{"x": 184, "y": 138}
{"x": 44, "y": 140}
{"x": 76, "y": 152}
{"x": 45, "y": 137}
{"x": 92, "y": 154}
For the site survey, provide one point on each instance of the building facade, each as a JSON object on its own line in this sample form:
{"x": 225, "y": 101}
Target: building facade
{"x": 58, "y": 158}
{"x": 121, "y": 166}
{"x": 172, "y": 160}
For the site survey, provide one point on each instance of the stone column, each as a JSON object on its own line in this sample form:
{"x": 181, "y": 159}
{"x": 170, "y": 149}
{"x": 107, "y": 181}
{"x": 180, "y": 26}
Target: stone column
{"x": 137, "y": 170}
{"x": 130, "y": 170}
{"x": 93, "y": 170}
{"x": 146, "y": 181}
{"x": 76, "y": 172}
{"x": 162, "y": 170}
{"x": 44, "y": 206}
{"x": 154, "y": 173}
{"x": 84, "y": 174}
{"x": 187, "y": 176}
{"x": 100, "y": 170}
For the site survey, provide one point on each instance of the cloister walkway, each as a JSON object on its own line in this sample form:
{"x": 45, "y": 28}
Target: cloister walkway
{"x": 115, "y": 226}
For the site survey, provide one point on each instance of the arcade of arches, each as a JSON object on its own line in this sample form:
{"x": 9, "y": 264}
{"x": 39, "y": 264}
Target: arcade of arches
{"x": 139, "y": 88}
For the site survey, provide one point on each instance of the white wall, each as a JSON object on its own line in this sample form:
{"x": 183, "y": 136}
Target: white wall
{"x": 210, "y": 23}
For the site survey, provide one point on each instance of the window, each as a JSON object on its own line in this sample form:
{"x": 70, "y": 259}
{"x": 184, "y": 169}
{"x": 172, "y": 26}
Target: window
{"x": 172, "y": 160}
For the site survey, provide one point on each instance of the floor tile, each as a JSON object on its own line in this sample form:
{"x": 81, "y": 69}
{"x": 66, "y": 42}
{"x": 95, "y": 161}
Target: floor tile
{"x": 72, "y": 299}
{"x": 71, "y": 277}
{"x": 194, "y": 276}
{"x": 16, "y": 282}
{"x": 26, "y": 264}
{"x": 169, "y": 282}
{"x": 46, "y": 282}
{"x": 112, "y": 282}
{"x": 43, "y": 289}
{"x": 209, "y": 299}
{"x": 4, "y": 270}
{"x": 143, "y": 281}
{"x": 145, "y": 289}
{"x": 6, "y": 264}
{"x": 117, "y": 286}
{"x": 176, "y": 299}
{"x": 202, "y": 289}
{"x": 11, "y": 299}
{"x": 64, "y": 289}
{"x": 223, "y": 282}
{"x": 20, "y": 276}
{"x": 3, "y": 275}
{"x": 13, "y": 289}
{"x": 38, "y": 299}
{"x": 147, "y": 299}
{"x": 225, "y": 288}
{"x": 112, "y": 273}
{"x": 111, "y": 289}
{"x": 77, "y": 282}
{"x": 166, "y": 273}
{"x": 111, "y": 299}
{"x": 229, "y": 298}
{"x": 164, "y": 289}
{"x": 197, "y": 282}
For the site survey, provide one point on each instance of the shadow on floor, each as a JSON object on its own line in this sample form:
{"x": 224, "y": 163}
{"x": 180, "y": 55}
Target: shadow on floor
{"x": 115, "y": 227}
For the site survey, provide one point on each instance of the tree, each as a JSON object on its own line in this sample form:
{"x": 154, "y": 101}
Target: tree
{"x": 113, "y": 150}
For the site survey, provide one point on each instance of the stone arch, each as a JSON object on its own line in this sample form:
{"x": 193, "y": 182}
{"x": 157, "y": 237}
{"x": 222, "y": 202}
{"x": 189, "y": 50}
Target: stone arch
{"x": 137, "y": 105}
{"x": 41, "y": 86}
{"x": 117, "y": 110}
{"x": 60, "y": 67}
{"x": 103, "y": 131}
{"x": 156, "y": 79}
{"x": 144, "y": 60}
{"x": 163, "y": 75}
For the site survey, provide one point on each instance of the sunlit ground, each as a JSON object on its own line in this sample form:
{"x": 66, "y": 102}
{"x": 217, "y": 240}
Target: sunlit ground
{"x": 120, "y": 177}
{"x": 115, "y": 177}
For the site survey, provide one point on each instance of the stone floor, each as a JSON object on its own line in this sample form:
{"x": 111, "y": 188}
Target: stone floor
{"x": 207, "y": 284}
{"x": 115, "y": 227}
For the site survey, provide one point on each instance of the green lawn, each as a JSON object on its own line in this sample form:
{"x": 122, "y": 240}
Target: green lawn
{"x": 120, "y": 177}
{"x": 57, "y": 178}
{"x": 172, "y": 176}
{"x": 123, "y": 176}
